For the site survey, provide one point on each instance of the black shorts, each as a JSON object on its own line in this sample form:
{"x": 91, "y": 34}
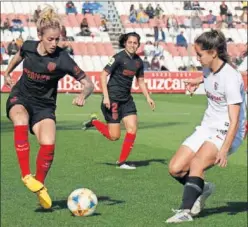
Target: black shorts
{"x": 37, "y": 111}
{"x": 118, "y": 110}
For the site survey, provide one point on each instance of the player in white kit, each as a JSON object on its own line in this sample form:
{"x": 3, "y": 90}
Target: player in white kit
{"x": 221, "y": 130}
{"x": 243, "y": 68}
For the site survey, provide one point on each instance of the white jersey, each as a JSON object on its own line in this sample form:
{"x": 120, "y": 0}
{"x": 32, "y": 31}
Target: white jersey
{"x": 223, "y": 88}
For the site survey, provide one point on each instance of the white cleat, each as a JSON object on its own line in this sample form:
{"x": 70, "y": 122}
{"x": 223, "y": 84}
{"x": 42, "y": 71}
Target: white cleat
{"x": 199, "y": 204}
{"x": 180, "y": 216}
{"x": 126, "y": 166}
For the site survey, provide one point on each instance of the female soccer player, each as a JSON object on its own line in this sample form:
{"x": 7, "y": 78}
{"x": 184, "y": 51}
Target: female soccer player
{"x": 32, "y": 101}
{"x": 221, "y": 130}
{"x": 243, "y": 68}
{"x": 117, "y": 103}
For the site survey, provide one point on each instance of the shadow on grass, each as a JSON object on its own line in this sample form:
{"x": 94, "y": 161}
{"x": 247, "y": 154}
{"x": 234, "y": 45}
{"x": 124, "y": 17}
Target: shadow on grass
{"x": 231, "y": 208}
{"x": 141, "y": 163}
{"x": 7, "y": 126}
{"x": 62, "y": 204}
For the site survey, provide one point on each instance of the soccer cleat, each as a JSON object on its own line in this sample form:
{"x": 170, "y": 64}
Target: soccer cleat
{"x": 199, "y": 204}
{"x": 44, "y": 198}
{"x": 32, "y": 184}
{"x": 88, "y": 124}
{"x": 37, "y": 187}
{"x": 124, "y": 165}
{"x": 180, "y": 216}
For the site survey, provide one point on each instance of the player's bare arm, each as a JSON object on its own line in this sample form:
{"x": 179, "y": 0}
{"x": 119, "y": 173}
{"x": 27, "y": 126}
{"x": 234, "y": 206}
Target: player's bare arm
{"x": 88, "y": 88}
{"x": 12, "y": 65}
{"x": 193, "y": 84}
{"x": 103, "y": 79}
{"x": 144, "y": 90}
{"x": 233, "y": 111}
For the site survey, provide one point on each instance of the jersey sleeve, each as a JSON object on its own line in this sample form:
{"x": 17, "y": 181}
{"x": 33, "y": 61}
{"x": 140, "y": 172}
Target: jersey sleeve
{"x": 233, "y": 87}
{"x": 140, "y": 71}
{"x": 69, "y": 66}
{"x": 112, "y": 64}
{"x": 25, "y": 47}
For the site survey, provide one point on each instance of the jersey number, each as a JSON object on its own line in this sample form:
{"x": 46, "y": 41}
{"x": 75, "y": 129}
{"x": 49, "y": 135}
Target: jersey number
{"x": 114, "y": 109}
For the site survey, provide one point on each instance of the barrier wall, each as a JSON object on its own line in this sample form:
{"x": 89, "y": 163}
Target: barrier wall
{"x": 157, "y": 82}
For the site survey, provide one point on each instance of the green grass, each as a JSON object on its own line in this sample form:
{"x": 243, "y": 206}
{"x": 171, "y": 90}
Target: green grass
{"x": 141, "y": 198}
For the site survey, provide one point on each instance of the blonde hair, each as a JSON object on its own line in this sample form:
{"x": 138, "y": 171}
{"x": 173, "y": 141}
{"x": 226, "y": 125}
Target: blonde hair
{"x": 48, "y": 18}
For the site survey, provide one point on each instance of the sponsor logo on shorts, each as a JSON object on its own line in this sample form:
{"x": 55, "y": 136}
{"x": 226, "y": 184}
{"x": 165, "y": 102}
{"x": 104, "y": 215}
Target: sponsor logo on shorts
{"x": 51, "y": 66}
{"x": 223, "y": 132}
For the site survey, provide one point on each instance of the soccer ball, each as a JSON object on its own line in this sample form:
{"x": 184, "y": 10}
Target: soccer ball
{"x": 82, "y": 202}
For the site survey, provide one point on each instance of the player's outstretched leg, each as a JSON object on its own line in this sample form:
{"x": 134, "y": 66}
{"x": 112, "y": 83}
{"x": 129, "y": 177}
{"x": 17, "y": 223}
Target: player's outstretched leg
{"x": 100, "y": 126}
{"x": 37, "y": 187}
{"x": 89, "y": 124}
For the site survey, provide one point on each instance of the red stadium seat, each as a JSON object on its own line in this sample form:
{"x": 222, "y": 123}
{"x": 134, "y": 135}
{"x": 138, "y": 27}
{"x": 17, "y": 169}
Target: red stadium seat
{"x": 172, "y": 49}
{"x": 91, "y": 49}
{"x": 98, "y": 20}
{"x": 205, "y": 25}
{"x": 72, "y": 20}
{"x": 109, "y": 49}
{"x": 182, "y": 51}
{"x": 100, "y": 49}
{"x": 79, "y": 18}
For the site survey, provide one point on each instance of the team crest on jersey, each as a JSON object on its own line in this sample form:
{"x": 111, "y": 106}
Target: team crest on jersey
{"x": 77, "y": 70}
{"x": 216, "y": 85}
{"x": 51, "y": 66}
{"x": 111, "y": 61}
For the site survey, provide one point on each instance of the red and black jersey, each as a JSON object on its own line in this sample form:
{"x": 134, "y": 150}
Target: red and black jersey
{"x": 122, "y": 68}
{"x": 41, "y": 74}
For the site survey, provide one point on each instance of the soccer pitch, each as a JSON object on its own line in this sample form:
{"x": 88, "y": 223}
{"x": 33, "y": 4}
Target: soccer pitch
{"x": 140, "y": 198}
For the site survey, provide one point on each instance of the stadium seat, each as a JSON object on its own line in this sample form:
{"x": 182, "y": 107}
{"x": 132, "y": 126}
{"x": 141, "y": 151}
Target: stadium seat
{"x": 97, "y": 63}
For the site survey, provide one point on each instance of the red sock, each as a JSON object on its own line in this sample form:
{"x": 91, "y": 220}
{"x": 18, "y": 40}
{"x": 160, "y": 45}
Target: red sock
{"x": 102, "y": 128}
{"x": 44, "y": 161}
{"x": 127, "y": 146}
{"x": 22, "y": 148}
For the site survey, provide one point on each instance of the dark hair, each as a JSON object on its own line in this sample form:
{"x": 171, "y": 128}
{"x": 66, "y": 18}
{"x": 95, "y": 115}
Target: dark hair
{"x": 124, "y": 37}
{"x": 214, "y": 40}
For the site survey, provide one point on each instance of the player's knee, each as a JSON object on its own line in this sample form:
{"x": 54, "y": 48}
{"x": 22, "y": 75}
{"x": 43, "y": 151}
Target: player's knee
{"x": 19, "y": 116}
{"x": 132, "y": 130}
{"x": 114, "y": 137}
{"x": 46, "y": 139}
{"x": 175, "y": 169}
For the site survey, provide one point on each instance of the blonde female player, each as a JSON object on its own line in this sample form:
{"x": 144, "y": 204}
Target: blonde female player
{"x": 32, "y": 101}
